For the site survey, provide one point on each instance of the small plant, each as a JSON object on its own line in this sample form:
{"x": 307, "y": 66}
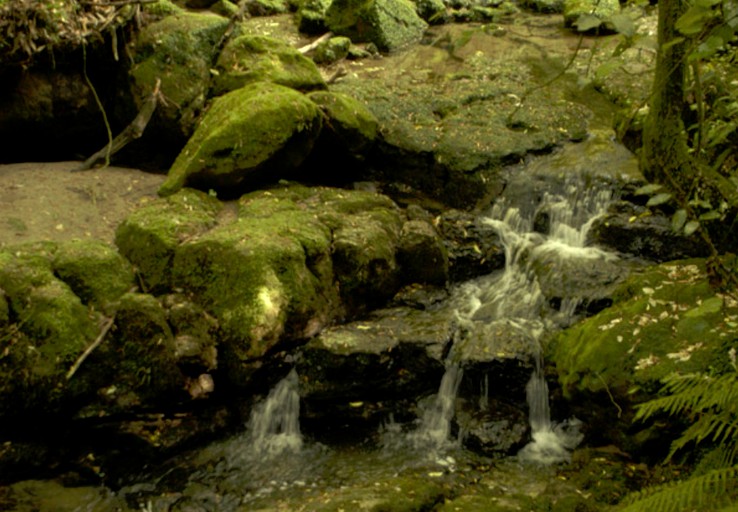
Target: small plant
{"x": 711, "y": 404}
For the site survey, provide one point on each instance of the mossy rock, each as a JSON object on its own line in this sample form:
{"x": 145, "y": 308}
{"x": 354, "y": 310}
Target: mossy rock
{"x": 162, "y": 8}
{"x": 149, "y": 236}
{"x": 178, "y": 50}
{"x": 142, "y": 348}
{"x": 422, "y": 255}
{"x": 94, "y": 270}
{"x": 389, "y": 24}
{"x": 267, "y": 276}
{"x": 311, "y": 16}
{"x": 48, "y": 328}
{"x": 259, "y": 133}
{"x": 667, "y": 319}
{"x": 351, "y": 126}
{"x": 249, "y": 58}
{"x": 332, "y": 50}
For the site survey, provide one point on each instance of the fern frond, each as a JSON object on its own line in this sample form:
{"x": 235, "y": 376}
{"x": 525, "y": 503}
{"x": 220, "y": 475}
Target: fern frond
{"x": 683, "y": 393}
{"x": 718, "y": 488}
{"x": 718, "y": 427}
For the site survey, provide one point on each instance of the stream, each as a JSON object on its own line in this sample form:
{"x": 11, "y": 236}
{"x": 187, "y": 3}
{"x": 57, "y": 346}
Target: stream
{"x": 418, "y": 465}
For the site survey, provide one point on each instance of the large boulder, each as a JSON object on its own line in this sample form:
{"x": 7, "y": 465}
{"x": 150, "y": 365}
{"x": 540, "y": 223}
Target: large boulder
{"x": 249, "y": 58}
{"x": 179, "y": 51}
{"x": 53, "y": 317}
{"x": 667, "y": 319}
{"x": 389, "y": 24}
{"x": 277, "y": 267}
{"x": 259, "y": 133}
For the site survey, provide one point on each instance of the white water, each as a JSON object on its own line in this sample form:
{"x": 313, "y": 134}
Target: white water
{"x": 515, "y": 296}
{"x": 274, "y": 426}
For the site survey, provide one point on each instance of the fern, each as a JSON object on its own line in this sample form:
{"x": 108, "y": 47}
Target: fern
{"x": 711, "y": 403}
{"x": 706, "y": 492}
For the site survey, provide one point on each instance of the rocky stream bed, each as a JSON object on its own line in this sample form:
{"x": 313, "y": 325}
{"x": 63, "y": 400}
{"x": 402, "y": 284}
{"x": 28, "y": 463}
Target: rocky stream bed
{"x": 411, "y": 280}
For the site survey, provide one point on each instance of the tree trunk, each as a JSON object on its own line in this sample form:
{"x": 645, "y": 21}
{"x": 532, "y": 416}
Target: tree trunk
{"x": 665, "y": 154}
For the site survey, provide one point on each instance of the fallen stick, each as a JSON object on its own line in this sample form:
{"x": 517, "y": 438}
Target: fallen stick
{"x": 100, "y": 337}
{"x": 314, "y": 44}
{"x": 131, "y": 132}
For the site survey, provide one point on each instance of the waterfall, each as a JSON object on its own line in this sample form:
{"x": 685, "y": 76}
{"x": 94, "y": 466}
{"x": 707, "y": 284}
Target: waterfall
{"x": 515, "y": 295}
{"x": 274, "y": 425}
{"x": 435, "y": 424}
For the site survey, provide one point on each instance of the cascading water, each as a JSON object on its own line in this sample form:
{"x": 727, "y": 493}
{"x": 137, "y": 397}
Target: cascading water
{"x": 515, "y": 295}
{"x": 274, "y": 426}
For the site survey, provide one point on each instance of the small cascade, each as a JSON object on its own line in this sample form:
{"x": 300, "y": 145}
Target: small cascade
{"x": 274, "y": 426}
{"x": 514, "y": 295}
{"x": 435, "y": 424}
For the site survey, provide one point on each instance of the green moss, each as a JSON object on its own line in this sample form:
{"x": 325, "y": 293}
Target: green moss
{"x": 666, "y": 320}
{"x": 150, "y": 235}
{"x": 351, "y": 124}
{"x": 162, "y": 8}
{"x": 246, "y": 133}
{"x": 267, "y": 274}
{"x": 178, "y": 50}
{"x": 48, "y": 329}
{"x": 143, "y": 349}
{"x": 94, "y": 270}
{"x": 249, "y": 59}
{"x": 390, "y": 24}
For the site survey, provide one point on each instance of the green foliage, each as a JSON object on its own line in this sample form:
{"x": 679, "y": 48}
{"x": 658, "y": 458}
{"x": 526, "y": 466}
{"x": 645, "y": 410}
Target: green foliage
{"x": 710, "y": 403}
{"x": 706, "y": 492}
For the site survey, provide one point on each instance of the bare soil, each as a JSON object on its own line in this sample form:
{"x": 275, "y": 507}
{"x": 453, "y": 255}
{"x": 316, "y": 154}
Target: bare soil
{"x": 48, "y": 201}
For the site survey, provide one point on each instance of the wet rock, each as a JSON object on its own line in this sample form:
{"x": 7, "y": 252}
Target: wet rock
{"x": 582, "y": 281}
{"x": 150, "y": 235}
{"x": 492, "y": 428}
{"x": 96, "y": 272}
{"x": 449, "y": 138}
{"x": 248, "y": 59}
{"x": 391, "y": 356}
{"x": 473, "y": 247}
{"x": 389, "y": 24}
{"x": 422, "y": 255}
{"x": 256, "y": 134}
{"x": 178, "y": 50}
{"x": 636, "y": 230}
{"x": 666, "y": 319}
